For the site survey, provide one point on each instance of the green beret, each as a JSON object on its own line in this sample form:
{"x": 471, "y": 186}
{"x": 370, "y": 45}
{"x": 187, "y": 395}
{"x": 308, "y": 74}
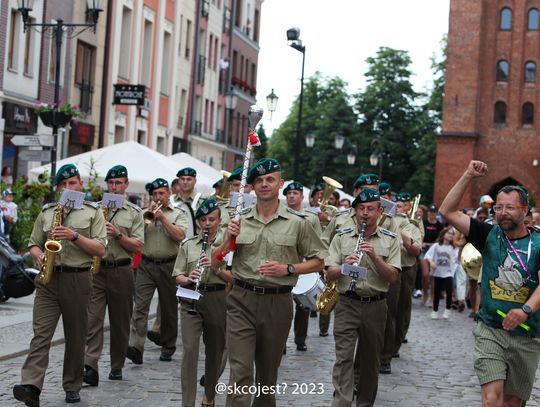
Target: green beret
{"x": 366, "y": 195}
{"x": 118, "y": 171}
{"x": 64, "y": 172}
{"x": 366, "y": 179}
{"x": 319, "y": 186}
{"x": 263, "y": 167}
{"x": 207, "y": 206}
{"x": 155, "y": 184}
{"x": 403, "y": 197}
{"x": 186, "y": 172}
{"x": 236, "y": 174}
{"x": 384, "y": 188}
{"x": 293, "y": 186}
{"x": 217, "y": 184}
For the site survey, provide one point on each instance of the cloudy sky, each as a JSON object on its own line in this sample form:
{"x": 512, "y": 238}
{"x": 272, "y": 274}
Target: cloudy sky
{"x": 339, "y": 35}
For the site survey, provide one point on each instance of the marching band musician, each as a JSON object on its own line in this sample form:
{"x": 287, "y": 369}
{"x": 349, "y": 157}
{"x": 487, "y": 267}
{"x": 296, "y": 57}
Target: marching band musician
{"x": 82, "y": 235}
{"x": 162, "y": 236}
{"x": 113, "y": 284}
{"x": 271, "y": 243}
{"x": 360, "y": 315}
{"x": 209, "y": 316}
{"x": 294, "y": 193}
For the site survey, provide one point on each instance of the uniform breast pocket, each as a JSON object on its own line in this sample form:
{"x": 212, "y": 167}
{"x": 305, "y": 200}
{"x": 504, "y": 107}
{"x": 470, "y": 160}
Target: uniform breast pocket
{"x": 82, "y": 226}
{"x": 246, "y": 241}
{"x": 284, "y": 248}
{"x": 383, "y": 252}
{"x": 124, "y": 225}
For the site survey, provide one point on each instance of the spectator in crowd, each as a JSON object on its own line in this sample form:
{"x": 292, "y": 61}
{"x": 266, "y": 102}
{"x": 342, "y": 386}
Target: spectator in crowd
{"x": 9, "y": 212}
{"x": 345, "y": 203}
{"x": 432, "y": 229}
{"x": 7, "y": 176}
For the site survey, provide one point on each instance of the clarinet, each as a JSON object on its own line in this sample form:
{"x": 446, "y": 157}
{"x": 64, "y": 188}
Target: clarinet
{"x": 193, "y": 309}
{"x": 361, "y": 238}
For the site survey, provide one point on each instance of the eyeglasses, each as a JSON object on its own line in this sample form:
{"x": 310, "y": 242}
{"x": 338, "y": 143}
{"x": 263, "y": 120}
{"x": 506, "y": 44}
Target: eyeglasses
{"x": 510, "y": 208}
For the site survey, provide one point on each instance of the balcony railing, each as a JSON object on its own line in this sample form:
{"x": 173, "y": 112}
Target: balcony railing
{"x": 196, "y": 127}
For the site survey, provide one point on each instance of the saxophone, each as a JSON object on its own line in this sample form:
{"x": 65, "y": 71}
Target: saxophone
{"x": 327, "y": 300}
{"x": 51, "y": 248}
{"x": 96, "y": 260}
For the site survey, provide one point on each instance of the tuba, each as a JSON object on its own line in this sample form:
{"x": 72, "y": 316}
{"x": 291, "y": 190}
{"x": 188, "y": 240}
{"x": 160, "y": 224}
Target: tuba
{"x": 96, "y": 260}
{"x": 51, "y": 248}
{"x": 224, "y": 190}
{"x": 414, "y": 207}
{"x": 330, "y": 186}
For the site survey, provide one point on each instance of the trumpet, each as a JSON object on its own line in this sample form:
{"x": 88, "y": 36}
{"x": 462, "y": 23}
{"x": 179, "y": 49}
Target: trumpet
{"x": 330, "y": 186}
{"x": 193, "y": 309}
{"x": 361, "y": 239}
{"x": 150, "y": 216}
{"x": 414, "y": 207}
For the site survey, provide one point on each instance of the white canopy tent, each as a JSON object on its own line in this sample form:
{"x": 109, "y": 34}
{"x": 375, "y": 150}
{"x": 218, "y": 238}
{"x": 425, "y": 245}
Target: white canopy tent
{"x": 143, "y": 164}
{"x": 204, "y": 172}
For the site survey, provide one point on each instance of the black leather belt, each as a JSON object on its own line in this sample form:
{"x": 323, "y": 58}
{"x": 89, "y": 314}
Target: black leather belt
{"x": 116, "y": 263}
{"x": 263, "y": 290}
{"x": 208, "y": 287}
{"x": 366, "y": 298}
{"x": 67, "y": 269}
{"x": 159, "y": 261}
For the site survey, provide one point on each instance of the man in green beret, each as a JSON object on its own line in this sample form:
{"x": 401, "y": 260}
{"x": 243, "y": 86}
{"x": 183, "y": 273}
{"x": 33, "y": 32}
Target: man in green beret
{"x": 385, "y": 190}
{"x": 207, "y": 316}
{"x": 360, "y": 313}
{"x": 294, "y": 194}
{"x": 113, "y": 285}
{"x": 164, "y": 229}
{"x": 187, "y": 198}
{"x": 82, "y": 234}
{"x": 272, "y": 242}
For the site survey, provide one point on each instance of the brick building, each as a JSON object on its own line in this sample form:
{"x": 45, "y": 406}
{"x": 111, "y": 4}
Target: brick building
{"x": 492, "y": 95}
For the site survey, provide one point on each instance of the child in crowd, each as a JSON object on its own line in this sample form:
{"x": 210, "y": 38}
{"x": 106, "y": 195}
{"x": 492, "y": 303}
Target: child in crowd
{"x": 443, "y": 259}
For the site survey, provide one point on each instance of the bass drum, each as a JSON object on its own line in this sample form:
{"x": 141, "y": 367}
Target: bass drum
{"x": 306, "y": 290}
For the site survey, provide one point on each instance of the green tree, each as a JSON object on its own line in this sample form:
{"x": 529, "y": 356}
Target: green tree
{"x": 262, "y": 150}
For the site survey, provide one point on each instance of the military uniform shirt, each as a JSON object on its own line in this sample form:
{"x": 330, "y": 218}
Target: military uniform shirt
{"x": 286, "y": 238}
{"x": 176, "y": 199}
{"x": 157, "y": 243}
{"x": 188, "y": 256}
{"x": 412, "y": 231}
{"x": 87, "y": 221}
{"x": 342, "y": 220}
{"x": 129, "y": 221}
{"x": 385, "y": 244}
{"x": 314, "y": 220}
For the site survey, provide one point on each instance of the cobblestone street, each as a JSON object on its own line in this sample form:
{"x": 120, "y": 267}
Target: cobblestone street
{"x": 434, "y": 369}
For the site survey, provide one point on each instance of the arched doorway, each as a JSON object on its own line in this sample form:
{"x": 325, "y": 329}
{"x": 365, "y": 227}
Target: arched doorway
{"x": 497, "y": 186}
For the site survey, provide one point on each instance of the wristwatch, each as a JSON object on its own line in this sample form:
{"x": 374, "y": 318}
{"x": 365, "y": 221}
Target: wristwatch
{"x": 75, "y": 236}
{"x": 527, "y": 310}
{"x": 118, "y": 236}
{"x": 290, "y": 269}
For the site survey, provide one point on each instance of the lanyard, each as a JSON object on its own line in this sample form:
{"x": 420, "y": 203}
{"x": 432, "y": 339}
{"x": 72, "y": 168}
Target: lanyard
{"x": 523, "y": 266}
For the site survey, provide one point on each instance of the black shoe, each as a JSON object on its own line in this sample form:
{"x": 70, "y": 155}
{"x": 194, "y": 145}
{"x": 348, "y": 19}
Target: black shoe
{"x": 285, "y": 350}
{"x": 154, "y": 337}
{"x": 201, "y": 381}
{"x": 405, "y": 340}
{"x": 385, "y": 368}
{"x": 134, "y": 355}
{"x": 321, "y": 333}
{"x": 165, "y": 357}
{"x": 395, "y": 355}
{"x": 72, "y": 397}
{"x": 115, "y": 374}
{"x": 302, "y": 347}
{"x": 27, "y": 393}
{"x": 472, "y": 314}
{"x": 313, "y": 314}
{"x": 90, "y": 376}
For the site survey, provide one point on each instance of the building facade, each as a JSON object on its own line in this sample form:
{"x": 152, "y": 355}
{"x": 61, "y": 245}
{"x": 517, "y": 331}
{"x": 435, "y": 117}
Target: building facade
{"x": 492, "y": 97}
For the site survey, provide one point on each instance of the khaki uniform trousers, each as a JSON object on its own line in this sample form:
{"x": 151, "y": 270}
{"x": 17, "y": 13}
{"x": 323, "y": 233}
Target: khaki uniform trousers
{"x": 403, "y": 316}
{"x": 112, "y": 288}
{"x": 68, "y": 295}
{"x": 362, "y": 322}
{"x": 210, "y": 322}
{"x": 154, "y": 276}
{"x": 257, "y": 330}
{"x": 392, "y": 302}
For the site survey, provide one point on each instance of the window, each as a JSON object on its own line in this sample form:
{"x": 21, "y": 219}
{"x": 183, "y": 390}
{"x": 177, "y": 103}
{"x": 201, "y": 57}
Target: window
{"x": 52, "y": 61}
{"x": 532, "y": 24}
{"x": 29, "y": 50}
{"x": 530, "y": 72}
{"x": 210, "y": 51}
{"x": 502, "y": 71}
{"x": 84, "y": 74}
{"x": 500, "y": 113}
{"x": 166, "y": 64}
{"x": 238, "y": 14}
{"x": 506, "y": 19}
{"x": 13, "y": 53}
{"x": 187, "y": 54}
{"x": 146, "y": 53}
{"x": 125, "y": 44}
{"x": 527, "y": 114}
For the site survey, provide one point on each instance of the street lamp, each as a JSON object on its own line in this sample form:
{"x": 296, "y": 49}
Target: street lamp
{"x": 231, "y": 100}
{"x": 376, "y": 156}
{"x": 293, "y": 36}
{"x": 339, "y": 140}
{"x": 310, "y": 140}
{"x": 271, "y": 102}
{"x": 56, "y": 31}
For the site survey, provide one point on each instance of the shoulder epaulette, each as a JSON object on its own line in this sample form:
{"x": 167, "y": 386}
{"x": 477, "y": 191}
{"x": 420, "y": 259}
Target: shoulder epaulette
{"x": 345, "y": 211}
{"x": 49, "y": 205}
{"x": 187, "y": 239}
{"x": 302, "y": 215}
{"x": 388, "y": 232}
{"x": 94, "y": 205}
{"x": 133, "y": 206}
{"x": 401, "y": 215}
{"x": 343, "y": 231}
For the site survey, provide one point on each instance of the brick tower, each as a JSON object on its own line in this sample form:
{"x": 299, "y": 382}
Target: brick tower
{"x": 492, "y": 94}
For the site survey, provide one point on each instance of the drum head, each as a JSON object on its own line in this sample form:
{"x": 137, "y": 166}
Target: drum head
{"x": 305, "y": 283}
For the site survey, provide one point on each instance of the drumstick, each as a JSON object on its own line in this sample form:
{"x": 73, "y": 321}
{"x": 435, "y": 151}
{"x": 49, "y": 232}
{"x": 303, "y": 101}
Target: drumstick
{"x": 502, "y": 314}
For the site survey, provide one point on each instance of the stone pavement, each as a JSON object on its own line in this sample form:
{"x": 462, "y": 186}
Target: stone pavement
{"x": 434, "y": 369}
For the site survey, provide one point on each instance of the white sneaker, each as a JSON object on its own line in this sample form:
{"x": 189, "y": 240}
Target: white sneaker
{"x": 417, "y": 294}
{"x": 434, "y": 315}
{"x": 446, "y": 314}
